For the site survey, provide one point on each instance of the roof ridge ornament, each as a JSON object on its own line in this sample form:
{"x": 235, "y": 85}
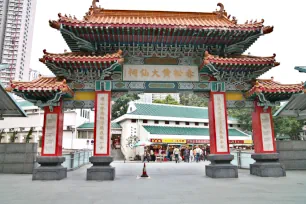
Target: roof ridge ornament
{"x": 94, "y": 4}
{"x": 221, "y": 12}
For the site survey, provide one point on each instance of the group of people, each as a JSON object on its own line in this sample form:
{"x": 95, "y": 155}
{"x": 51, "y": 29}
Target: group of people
{"x": 187, "y": 154}
{"x": 196, "y": 154}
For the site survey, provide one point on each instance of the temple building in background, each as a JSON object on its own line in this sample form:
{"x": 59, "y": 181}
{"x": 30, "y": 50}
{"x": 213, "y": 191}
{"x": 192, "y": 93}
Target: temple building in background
{"x": 16, "y": 33}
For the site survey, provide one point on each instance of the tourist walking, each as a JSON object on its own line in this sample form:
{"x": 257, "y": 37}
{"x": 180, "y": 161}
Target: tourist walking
{"x": 186, "y": 155}
{"x": 176, "y": 153}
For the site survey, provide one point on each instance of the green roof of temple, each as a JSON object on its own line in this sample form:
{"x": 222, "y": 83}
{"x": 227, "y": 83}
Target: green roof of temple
{"x": 165, "y": 110}
{"x": 91, "y": 125}
{"x": 162, "y": 130}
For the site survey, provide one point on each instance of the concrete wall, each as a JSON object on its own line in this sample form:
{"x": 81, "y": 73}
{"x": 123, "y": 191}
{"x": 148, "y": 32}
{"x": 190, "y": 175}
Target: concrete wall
{"x": 17, "y": 158}
{"x": 292, "y": 154}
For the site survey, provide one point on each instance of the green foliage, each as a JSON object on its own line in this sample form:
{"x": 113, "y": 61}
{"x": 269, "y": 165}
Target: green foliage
{"x": 1, "y": 135}
{"x": 12, "y": 137}
{"x": 283, "y": 126}
{"x": 120, "y": 107}
{"x": 28, "y": 137}
{"x": 244, "y": 117}
{"x": 190, "y": 99}
{"x": 167, "y": 100}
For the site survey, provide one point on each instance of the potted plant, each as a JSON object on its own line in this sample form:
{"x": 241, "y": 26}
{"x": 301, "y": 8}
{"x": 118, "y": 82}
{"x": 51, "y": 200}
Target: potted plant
{"x": 28, "y": 137}
{"x": 13, "y": 136}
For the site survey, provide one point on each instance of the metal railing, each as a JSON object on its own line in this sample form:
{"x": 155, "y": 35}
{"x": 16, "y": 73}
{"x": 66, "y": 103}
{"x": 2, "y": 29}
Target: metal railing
{"x": 77, "y": 159}
{"x": 242, "y": 159}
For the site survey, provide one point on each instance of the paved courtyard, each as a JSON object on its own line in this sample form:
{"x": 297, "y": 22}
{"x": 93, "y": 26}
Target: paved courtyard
{"x": 170, "y": 183}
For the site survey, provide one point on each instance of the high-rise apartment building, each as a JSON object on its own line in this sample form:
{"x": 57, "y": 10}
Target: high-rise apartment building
{"x": 150, "y": 97}
{"x": 16, "y": 32}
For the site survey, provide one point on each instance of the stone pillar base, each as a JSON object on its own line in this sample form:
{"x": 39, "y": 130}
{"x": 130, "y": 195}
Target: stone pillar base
{"x": 101, "y": 169}
{"x": 221, "y": 166}
{"x": 50, "y": 169}
{"x": 267, "y": 165}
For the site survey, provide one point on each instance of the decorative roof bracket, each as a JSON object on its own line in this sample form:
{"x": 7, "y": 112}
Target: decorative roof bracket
{"x": 265, "y": 103}
{"x": 240, "y": 46}
{"x": 79, "y": 41}
{"x": 214, "y": 71}
{"x": 59, "y": 71}
{"x": 107, "y": 72}
{"x": 51, "y": 103}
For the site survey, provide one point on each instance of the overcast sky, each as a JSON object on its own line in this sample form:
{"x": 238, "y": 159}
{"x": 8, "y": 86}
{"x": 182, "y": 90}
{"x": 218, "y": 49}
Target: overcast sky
{"x": 287, "y": 41}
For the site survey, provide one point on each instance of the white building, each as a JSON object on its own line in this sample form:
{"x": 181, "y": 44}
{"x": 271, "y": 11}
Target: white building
{"x": 150, "y": 97}
{"x": 34, "y": 119}
{"x": 34, "y": 74}
{"x": 163, "y": 124}
{"x": 16, "y": 32}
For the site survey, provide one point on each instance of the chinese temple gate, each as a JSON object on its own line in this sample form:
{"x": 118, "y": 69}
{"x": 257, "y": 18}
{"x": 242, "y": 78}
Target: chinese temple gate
{"x": 118, "y": 51}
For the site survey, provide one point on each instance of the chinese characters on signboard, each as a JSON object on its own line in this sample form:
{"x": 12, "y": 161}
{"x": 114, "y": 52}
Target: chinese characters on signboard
{"x": 50, "y": 133}
{"x": 266, "y": 132}
{"x": 196, "y": 141}
{"x": 220, "y": 123}
{"x": 102, "y": 124}
{"x": 160, "y": 73}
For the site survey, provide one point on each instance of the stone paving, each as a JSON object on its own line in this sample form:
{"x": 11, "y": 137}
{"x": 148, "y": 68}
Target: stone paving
{"x": 170, "y": 183}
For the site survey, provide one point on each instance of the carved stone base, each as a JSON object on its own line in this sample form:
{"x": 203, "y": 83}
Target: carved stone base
{"x": 221, "y": 166}
{"x": 50, "y": 169}
{"x": 101, "y": 169}
{"x": 267, "y": 165}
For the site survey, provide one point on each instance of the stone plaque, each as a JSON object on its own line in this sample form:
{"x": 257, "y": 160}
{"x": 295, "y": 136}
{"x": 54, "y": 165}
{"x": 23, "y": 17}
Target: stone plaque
{"x": 50, "y": 133}
{"x": 266, "y": 132}
{"x": 220, "y": 123}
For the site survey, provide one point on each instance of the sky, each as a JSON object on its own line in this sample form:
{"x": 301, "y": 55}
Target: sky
{"x": 287, "y": 41}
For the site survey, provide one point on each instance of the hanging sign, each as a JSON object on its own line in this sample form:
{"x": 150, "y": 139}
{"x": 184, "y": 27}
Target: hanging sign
{"x": 102, "y": 124}
{"x": 160, "y": 73}
{"x": 220, "y": 123}
{"x": 197, "y": 141}
{"x": 266, "y": 132}
{"x": 179, "y": 141}
{"x": 50, "y": 133}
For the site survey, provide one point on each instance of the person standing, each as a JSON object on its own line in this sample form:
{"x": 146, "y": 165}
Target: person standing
{"x": 186, "y": 155}
{"x": 198, "y": 152}
{"x": 191, "y": 155}
{"x": 176, "y": 153}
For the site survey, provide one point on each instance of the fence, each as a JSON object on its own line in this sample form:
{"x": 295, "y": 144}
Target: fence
{"x": 242, "y": 159}
{"x": 77, "y": 159}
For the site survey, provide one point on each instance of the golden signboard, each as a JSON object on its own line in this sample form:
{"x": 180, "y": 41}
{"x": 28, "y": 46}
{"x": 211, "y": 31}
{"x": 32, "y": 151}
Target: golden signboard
{"x": 179, "y": 141}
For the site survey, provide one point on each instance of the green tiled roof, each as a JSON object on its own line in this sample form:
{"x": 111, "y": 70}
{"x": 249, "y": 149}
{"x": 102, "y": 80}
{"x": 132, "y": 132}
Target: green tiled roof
{"x": 24, "y": 104}
{"x": 91, "y": 125}
{"x": 164, "y": 110}
{"x": 170, "y": 111}
{"x": 164, "y": 130}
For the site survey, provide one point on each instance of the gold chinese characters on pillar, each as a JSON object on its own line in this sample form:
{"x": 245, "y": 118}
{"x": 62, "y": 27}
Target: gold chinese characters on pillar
{"x": 266, "y": 132}
{"x": 102, "y": 132}
{"x": 220, "y": 123}
{"x": 160, "y": 73}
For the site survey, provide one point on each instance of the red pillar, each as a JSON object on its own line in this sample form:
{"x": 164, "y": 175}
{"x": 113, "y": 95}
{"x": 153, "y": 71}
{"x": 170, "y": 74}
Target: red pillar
{"x": 263, "y": 131}
{"x": 218, "y": 129}
{"x": 102, "y": 131}
{"x": 53, "y": 131}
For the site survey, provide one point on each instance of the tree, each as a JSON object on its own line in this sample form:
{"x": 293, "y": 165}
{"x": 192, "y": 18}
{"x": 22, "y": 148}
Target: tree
{"x": 244, "y": 117}
{"x": 28, "y": 137}
{"x": 167, "y": 100}
{"x": 190, "y": 99}
{"x": 120, "y": 106}
{"x": 287, "y": 126}
{"x": 1, "y": 135}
